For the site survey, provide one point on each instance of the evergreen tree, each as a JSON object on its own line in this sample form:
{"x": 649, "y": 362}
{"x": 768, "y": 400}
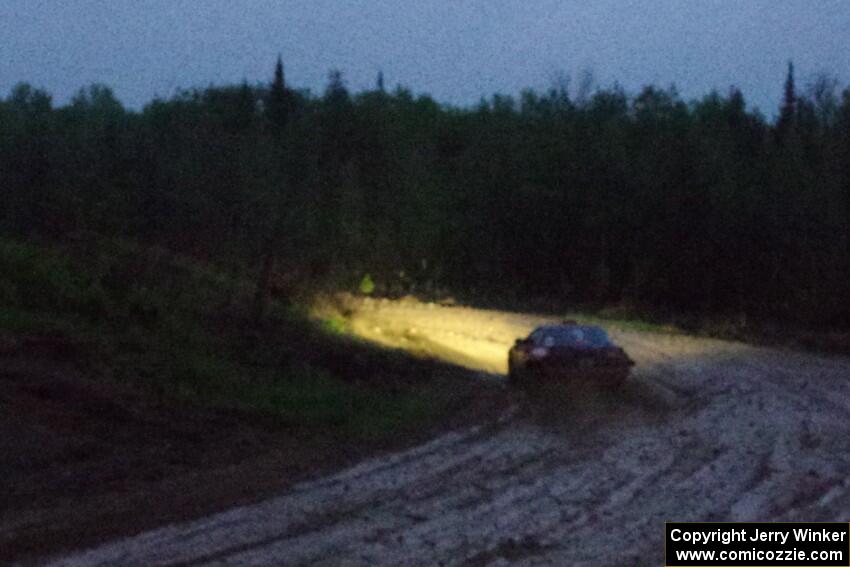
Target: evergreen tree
{"x": 788, "y": 110}
{"x": 279, "y": 102}
{"x": 279, "y": 110}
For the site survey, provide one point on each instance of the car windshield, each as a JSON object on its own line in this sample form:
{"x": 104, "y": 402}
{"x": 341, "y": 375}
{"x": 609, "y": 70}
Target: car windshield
{"x": 577, "y": 336}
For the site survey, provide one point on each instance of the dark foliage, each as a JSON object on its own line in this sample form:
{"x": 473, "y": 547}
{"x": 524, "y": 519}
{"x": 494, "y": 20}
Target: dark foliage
{"x": 701, "y": 207}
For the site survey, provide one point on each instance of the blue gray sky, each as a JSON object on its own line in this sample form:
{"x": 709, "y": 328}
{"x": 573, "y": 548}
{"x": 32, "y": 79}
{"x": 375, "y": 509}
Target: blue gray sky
{"x": 455, "y": 50}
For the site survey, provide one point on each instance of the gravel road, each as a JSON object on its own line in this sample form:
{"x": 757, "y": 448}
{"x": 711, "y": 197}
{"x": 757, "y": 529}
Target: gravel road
{"x": 704, "y": 430}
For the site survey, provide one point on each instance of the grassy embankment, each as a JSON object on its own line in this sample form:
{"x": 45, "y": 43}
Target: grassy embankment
{"x": 185, "y": 331}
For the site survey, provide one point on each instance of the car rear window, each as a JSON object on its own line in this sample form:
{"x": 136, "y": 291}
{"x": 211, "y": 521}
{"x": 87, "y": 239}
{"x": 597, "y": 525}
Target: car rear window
{"x": 577, "y": 336}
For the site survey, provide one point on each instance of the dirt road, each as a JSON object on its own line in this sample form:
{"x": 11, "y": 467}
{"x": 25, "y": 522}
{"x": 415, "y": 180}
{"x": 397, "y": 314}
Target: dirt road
{"x": 705, "y": 430}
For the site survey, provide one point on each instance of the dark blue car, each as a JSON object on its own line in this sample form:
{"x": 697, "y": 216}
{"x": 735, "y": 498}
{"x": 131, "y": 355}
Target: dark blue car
{"x": 568, "y": 352}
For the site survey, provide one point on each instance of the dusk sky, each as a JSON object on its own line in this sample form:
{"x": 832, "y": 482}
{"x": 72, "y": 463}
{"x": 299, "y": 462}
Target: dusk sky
{"x": 455, "y": 50}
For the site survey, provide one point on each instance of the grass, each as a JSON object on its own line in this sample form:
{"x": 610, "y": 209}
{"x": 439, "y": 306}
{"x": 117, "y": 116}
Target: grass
{"x": 183, "y": 330}
{"x": 625, "y": 324}
{"x": 643, "y": 318}
{"x": 764, "y": 333}
{"x": 336, "y": 325}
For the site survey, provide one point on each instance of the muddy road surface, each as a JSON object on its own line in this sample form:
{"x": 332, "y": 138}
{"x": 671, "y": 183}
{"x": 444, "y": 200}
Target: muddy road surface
{"x": 704, "y": 430}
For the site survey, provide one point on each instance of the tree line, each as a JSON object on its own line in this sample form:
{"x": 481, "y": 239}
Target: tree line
{"x": 594, "y": 198}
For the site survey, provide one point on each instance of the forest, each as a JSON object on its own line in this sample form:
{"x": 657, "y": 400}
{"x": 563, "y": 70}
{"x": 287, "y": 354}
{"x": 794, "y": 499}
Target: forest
{"x": 579, "y": 197}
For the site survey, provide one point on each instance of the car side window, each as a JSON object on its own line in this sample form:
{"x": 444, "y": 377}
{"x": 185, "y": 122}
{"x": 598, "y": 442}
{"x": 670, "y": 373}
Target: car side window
{"x": 549, "y": 341}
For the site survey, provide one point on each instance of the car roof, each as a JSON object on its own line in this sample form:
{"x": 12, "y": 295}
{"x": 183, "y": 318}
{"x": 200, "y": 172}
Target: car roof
{"x": 567, "y": 326}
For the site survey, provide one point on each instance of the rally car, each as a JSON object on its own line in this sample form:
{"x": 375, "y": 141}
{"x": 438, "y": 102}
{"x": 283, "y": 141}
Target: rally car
{"x": 568, "y": 352}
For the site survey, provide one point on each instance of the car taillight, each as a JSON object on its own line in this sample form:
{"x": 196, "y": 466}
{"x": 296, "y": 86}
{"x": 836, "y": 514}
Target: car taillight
{"x": 539, "y": 352}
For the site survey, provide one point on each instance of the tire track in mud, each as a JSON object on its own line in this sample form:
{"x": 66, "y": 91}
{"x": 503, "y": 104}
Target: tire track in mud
{"x": 704, "y": 430}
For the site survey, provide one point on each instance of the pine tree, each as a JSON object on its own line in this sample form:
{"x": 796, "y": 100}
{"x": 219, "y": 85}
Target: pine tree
{"x": 279, "y": 101}
{"x": 278, "y": 108}
{"x": 336, "y": 94}
{"x": 788, "y": 110}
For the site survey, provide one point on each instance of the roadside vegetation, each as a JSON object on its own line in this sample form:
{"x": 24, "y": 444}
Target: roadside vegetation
{"x": 181, "y": 329}
{"x": 590, "y": 197}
